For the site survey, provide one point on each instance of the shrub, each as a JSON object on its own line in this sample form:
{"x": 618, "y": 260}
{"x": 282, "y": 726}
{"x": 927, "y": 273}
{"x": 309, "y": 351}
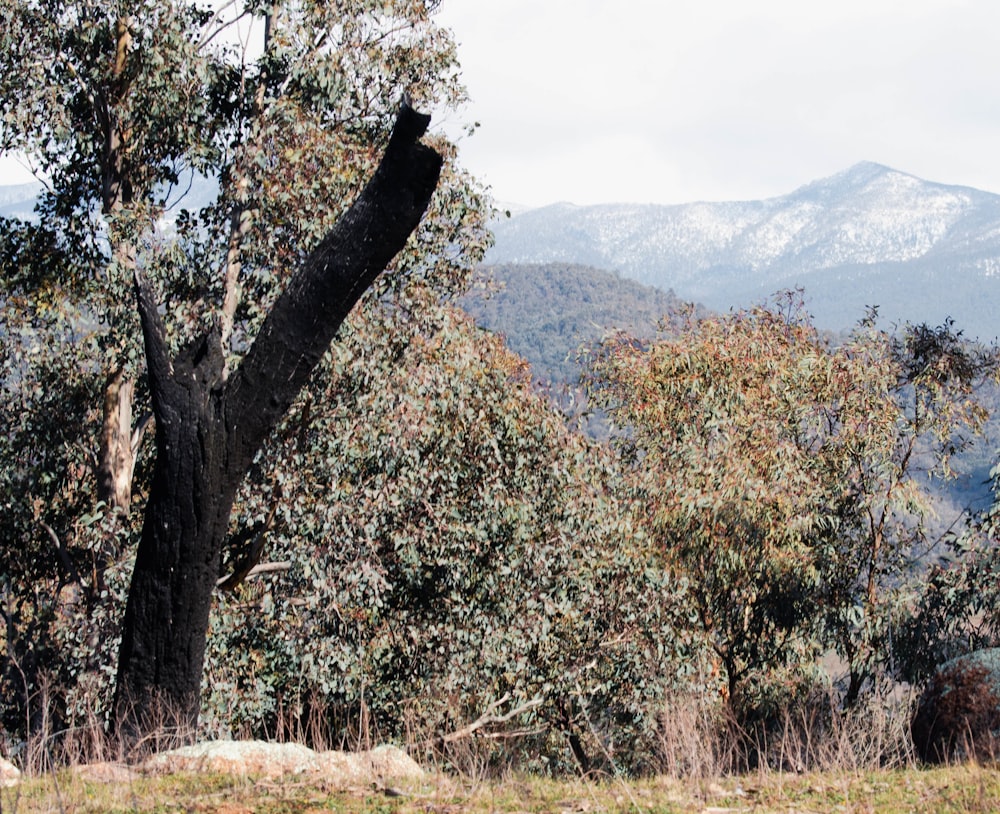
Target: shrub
{"x": 958, "y": 716}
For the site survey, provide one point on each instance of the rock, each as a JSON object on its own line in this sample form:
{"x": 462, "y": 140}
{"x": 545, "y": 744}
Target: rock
{"x": 958, "y": 715}
{"x": 381, "y": 764}
{"x": 276, "y": 759}
{"x": 235, "y": 757}
{"x": 10, "y": 775}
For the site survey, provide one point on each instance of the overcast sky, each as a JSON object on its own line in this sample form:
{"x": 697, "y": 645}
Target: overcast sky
{"x": 671, "y": 101}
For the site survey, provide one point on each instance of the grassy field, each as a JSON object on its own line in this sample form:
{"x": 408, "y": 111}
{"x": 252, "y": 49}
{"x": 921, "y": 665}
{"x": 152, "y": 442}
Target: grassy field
{"x": 966, "y": 788}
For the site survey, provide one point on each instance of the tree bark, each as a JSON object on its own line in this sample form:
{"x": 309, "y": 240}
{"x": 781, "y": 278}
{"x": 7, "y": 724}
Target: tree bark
{"x": 116, "y": 455}
{"x": 209, "y": 428}
{"x": 116, "y": 460}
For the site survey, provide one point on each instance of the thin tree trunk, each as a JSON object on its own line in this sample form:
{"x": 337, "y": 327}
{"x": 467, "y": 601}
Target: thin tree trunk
{"x": 116, "y": 456}
{"x": 210, "y": 427}
{"x": 116, "y": 461}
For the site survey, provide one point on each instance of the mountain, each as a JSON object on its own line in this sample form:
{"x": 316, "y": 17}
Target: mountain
{"x": 871, "y": 235}
{"x": 192, "y": 192}
{"x": 548, "y": 312}
{"x": 18, "y": 200}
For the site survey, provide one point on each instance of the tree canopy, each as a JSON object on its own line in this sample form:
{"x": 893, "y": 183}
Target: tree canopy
{"x": 123, "y": 109}
{"x": 785, "y": 476}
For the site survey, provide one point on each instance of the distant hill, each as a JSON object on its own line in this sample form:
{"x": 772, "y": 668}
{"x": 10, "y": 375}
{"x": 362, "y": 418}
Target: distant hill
{"x": 548, "y": 311}
{"x": 192, "y": 192}
{"x": 871, "y": 235}
{"x": 18, "y": 200}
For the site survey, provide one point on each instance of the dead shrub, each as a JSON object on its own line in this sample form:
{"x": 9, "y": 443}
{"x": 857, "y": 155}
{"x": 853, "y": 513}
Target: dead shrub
{"x": 958, "y": 716}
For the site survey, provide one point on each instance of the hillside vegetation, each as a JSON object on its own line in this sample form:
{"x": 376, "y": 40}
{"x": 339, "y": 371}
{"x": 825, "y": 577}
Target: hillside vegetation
{"x": 550, "y": 312}
{"x": 263, "y": 478}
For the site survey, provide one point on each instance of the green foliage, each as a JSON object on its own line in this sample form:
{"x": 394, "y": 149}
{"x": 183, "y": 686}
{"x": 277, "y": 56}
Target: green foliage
{"x": 123, "y": 108}
{"x": 782, "y": 477}
{"x": 958, "y": 609}
{"x": 720, "y": 426}
{"x": 454, "y": 553}
{"x": 461, "y": 546}
{"x": 453, "y": 549}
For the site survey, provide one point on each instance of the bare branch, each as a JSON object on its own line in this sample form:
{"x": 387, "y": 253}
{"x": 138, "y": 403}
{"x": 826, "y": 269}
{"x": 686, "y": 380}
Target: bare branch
{"x": 490, "y": 717}
{"x": 239, "y": 226}
{"x": 269, "y": 568}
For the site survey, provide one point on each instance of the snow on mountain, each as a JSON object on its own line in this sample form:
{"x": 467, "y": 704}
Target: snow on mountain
{"x": 18, "y": 200}
{"x": 870, "y": 235}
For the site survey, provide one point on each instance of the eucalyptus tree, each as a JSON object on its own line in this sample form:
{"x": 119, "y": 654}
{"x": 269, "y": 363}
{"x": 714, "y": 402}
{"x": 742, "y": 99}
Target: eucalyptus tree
{"x": 467, "y": 562}
{"x": 205, "y": 321}
{"x": 786, "y": 476}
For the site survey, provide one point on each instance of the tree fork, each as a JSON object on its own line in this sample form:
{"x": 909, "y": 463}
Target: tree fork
{"x": 208, "y": 429}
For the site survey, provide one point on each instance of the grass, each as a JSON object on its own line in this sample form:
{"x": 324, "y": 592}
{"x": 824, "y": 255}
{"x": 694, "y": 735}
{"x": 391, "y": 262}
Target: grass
{"x": 958, "y": 789}
{"x": 855, "y": 762}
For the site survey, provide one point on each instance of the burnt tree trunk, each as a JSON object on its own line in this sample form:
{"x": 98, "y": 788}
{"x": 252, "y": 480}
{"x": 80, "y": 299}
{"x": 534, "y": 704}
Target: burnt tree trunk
{"x": 209, "y": 428}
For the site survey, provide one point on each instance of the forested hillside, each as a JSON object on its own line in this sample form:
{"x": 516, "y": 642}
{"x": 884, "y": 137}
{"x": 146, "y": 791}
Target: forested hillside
{"x": 549, "y": 312}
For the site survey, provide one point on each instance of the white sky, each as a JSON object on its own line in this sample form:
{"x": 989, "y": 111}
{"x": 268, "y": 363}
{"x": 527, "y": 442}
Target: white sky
{"x": 670, "y": 101}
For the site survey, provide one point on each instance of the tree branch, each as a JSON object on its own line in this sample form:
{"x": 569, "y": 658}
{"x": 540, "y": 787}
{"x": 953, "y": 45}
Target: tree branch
{"x": 139, "y": 432}
{"x": 490, "y": 717}
{"x": 248, "y": 563}
{"x": 154, "y": 335}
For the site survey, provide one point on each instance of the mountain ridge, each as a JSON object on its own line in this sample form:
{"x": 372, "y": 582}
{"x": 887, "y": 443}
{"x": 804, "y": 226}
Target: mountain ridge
{"x": 867, "y": 236}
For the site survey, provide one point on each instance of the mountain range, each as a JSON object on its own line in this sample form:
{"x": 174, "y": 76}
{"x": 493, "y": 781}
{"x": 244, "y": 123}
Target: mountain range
{"x": 868, "y": 236}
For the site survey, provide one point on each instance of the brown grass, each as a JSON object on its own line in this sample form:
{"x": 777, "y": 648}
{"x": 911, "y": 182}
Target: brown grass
{"x": 819, "y": 758}
{"x": 965, "y": 788}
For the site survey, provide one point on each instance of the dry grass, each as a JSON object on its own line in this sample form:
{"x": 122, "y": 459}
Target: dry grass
{"x": 819, "y": 759}
{"x": 958, "y": 789}
{"x": 698, "y": 739}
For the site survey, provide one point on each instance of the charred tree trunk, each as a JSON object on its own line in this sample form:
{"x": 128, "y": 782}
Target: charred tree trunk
{"x": 208, "y": 429}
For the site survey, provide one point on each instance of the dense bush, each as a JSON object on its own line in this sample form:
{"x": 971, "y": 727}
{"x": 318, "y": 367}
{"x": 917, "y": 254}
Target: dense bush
{"x": 958, "y": 716}
{"x": 784, "y": 477}
{"x": 455, "y": 550}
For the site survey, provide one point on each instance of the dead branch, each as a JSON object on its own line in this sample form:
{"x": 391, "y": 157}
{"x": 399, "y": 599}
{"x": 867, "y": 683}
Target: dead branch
{"x": 269, "y": 568}
{"x": 490, "y": 717}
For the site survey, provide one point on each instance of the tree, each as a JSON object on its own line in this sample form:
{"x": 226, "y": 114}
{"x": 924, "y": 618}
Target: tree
{"x": 720, "y": 424}
{"x": 124, "y": 108}
{"x": 783, "y": 475}
{"x": 908, "y": 403}
{"x": 455, "y": 555}
{"x": 957, "y": 611}
{"x": 209, "y": 429}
